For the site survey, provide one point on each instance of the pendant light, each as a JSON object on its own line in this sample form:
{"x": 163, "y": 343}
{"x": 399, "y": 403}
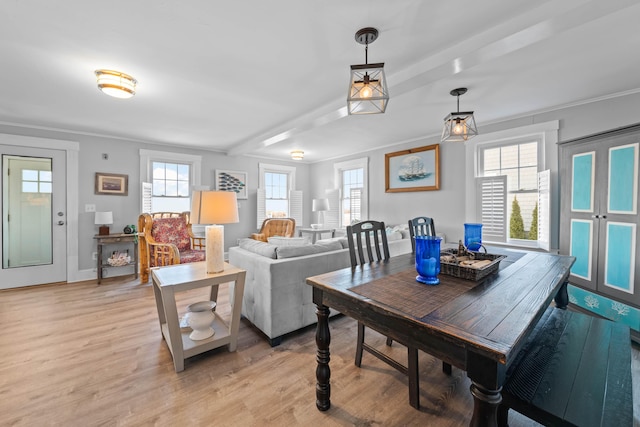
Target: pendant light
{"x": 368, "y": 92}
{"x": 461, "y": 125}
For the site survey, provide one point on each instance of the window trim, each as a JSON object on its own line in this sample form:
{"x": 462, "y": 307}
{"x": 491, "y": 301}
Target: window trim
{"x": 147, "y": 157}
{"x": 548, "y": 134}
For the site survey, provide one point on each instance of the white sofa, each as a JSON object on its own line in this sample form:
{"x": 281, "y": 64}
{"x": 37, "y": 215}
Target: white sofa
{"x": 277, "y": 299}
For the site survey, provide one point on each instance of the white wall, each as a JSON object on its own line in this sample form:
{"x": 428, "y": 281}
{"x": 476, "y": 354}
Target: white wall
{"x": 123, "y": 158}
{"x": 449, "y": 206}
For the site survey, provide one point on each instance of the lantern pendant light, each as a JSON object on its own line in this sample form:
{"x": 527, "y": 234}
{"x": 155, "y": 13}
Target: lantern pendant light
{"x": 461, "y": 125}
{"x": 368, "y": 92}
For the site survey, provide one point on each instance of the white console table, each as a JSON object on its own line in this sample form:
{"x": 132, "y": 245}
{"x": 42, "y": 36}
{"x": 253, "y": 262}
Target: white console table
{"x": 183, "y": 277}
{"x": 315, "y": 232}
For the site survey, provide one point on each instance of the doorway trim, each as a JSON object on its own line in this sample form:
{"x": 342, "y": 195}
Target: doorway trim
{"x": 72, "y": 150}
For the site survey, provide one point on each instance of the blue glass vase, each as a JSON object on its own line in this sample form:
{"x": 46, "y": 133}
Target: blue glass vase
{"x": 472, "y": 236}
{"x": 428, "y": 259}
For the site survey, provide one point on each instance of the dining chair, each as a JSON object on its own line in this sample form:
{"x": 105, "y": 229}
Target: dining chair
{"x": 424, "y": 226}
{"x": 369, "y": 238}
{"x": 420, "y": 226}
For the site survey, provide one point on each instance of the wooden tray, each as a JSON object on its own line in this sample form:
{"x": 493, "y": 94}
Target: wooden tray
{"x": 470, "y": 273}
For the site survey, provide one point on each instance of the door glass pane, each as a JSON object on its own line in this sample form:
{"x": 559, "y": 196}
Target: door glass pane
{"x": 26, "y": 211}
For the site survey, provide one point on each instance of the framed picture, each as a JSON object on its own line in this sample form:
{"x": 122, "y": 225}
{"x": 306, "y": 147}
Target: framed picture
{"x": 112, "y": 183}
{"x": 232, "y": 181}
{"x": 417, "y": 169}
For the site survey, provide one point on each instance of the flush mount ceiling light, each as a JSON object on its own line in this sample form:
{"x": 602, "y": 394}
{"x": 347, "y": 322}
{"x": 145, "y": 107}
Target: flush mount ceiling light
{"x": 116, "y": 84}
{"x": 461, "y": 125}
{"x": 297, "y": 154}
{"x": 368, "y": 92}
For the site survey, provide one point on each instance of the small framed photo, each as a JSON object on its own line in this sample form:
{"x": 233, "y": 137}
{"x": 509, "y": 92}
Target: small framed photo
{"x": 112, "y": 183}
{"x": 416, "y": 169}
{"x": 232, "y": 181}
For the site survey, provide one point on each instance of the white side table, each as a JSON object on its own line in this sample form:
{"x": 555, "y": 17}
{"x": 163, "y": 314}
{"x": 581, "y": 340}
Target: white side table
{"x": 315, "y": 232}
{"x": 183, "y": 277}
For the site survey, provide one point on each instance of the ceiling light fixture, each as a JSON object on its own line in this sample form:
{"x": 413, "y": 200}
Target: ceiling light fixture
{"x": 368, "y": 92}
{"x": 116, "y": 84}
{"x": 461, "y": 125}
{"x": 297, "y": 154}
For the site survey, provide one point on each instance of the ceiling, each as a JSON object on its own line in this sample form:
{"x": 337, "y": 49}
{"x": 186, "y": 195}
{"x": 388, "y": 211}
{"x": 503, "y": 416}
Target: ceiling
{"x": 262, "y": 78}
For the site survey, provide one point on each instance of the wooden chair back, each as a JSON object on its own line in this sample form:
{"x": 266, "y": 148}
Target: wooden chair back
{"x": 420, "y": 226}
{"x": 284, "y": 227}
{"x": 368, "y": 237}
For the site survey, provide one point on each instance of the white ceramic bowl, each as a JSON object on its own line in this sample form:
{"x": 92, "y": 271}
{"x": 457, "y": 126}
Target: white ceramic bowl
{"x": 316, "y": 226}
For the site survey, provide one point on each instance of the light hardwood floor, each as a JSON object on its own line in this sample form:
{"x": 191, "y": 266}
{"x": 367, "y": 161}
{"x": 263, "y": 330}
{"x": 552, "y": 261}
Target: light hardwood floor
{"x": 87, "y": 355}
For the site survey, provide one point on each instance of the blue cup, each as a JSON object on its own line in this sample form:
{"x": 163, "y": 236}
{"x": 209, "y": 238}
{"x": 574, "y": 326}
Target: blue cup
{"x": 428, "y": 259}
{"x": 472, "y": 236}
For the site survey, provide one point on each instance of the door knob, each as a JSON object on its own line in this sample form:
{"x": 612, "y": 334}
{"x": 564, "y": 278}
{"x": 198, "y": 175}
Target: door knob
{"x": 60, "y": 222}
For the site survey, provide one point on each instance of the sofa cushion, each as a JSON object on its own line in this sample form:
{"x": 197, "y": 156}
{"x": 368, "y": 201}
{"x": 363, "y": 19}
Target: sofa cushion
{"x": 288, "y": 241}
{"x": 342, "y": 240}
{"x": 257, "y": 247}
{"x": 296, "y": 251}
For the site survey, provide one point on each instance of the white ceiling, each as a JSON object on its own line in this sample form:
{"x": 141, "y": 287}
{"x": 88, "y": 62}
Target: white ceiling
{"x": 231, "y": 76}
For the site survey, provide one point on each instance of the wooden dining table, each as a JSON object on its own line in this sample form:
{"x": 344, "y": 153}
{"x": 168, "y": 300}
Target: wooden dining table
{"x": 478, "y": 327}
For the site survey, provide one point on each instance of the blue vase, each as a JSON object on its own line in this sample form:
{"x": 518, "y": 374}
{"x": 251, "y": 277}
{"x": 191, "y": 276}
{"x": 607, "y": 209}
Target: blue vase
{"x": 472, "y": 236}
{"x": 428, "y": 259}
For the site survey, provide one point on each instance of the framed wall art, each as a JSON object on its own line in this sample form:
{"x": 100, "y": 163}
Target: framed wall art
{"x": 232, "y": 181}
{"x": 112, "y": 183}
{"x": 416, "y": 169}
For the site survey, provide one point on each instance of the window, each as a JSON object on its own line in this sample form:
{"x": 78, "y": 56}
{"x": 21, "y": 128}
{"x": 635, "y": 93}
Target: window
{"x": 513, "y": 191}
{"x": 277, "y": 197}
{"x": 351, "y": 179}
{"x": 167, "y": 180}
{"x": 518, "y": 161}
{"x": 36, "y": 181}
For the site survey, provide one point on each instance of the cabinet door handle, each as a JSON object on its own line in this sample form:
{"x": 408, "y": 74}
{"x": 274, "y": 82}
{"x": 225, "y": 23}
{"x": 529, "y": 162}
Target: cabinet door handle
{"x": 595, "y": 216}
{"x": 603, "y": 216}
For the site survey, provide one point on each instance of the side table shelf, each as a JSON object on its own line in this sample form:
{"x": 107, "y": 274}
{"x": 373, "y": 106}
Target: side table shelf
{"x": 116, "y": 239}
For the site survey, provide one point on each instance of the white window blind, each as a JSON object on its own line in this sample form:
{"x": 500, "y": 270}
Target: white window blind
{"x": 355, "y": 197}
{"x": 491, "y": 209}
{"x": 544, "y": 210}
{"x": 332, "y": 216}
{"x": 295, "y": 206}
{"x": 147, "y": 192}
{"x": 262, "y": 210}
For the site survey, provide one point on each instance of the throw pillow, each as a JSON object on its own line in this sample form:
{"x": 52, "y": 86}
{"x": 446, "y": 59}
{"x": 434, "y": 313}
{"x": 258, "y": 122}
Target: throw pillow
{"x": 296, "y": 251}
{"x": 288, "y": 241}
{"x": 258, "y": 247}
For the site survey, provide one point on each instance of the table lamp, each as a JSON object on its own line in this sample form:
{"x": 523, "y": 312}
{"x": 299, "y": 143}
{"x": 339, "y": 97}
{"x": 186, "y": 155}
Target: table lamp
{"x": 104, "y": 219}
{"x": 212, "y": 208}
{"x": 320, "y": 205}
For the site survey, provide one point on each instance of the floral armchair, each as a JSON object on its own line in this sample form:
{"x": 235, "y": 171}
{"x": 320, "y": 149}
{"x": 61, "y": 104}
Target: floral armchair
{"x": 285, "y": 227}
{"x": 166, "y": 239}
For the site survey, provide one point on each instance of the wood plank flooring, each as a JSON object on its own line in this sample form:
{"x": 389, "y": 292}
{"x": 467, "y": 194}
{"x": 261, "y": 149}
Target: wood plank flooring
{"x": 87, "y": 355}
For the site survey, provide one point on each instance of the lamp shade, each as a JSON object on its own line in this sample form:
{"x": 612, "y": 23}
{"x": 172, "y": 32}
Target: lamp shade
{"x": 104, "y": 218}
{"x": 214, "y": 207}
{"x": 319, "y": 205}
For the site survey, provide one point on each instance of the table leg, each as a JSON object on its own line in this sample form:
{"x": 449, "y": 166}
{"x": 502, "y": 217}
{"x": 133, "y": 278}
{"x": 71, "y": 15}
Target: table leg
{"x": 562, "y": 297}
{"x": 414, "y": 382}
{"x": 323, "y": 372}
{"x": 485, "y": 406}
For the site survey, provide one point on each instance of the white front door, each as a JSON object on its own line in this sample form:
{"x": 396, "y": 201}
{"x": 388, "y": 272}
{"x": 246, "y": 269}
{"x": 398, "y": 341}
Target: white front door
{"x": 34, "y": 220}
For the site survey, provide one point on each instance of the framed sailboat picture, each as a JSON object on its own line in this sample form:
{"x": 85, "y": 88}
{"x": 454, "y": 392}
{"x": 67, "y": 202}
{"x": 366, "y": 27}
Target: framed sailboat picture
{"x": 232, "y": 181}
{"x": 416, "y": 169}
